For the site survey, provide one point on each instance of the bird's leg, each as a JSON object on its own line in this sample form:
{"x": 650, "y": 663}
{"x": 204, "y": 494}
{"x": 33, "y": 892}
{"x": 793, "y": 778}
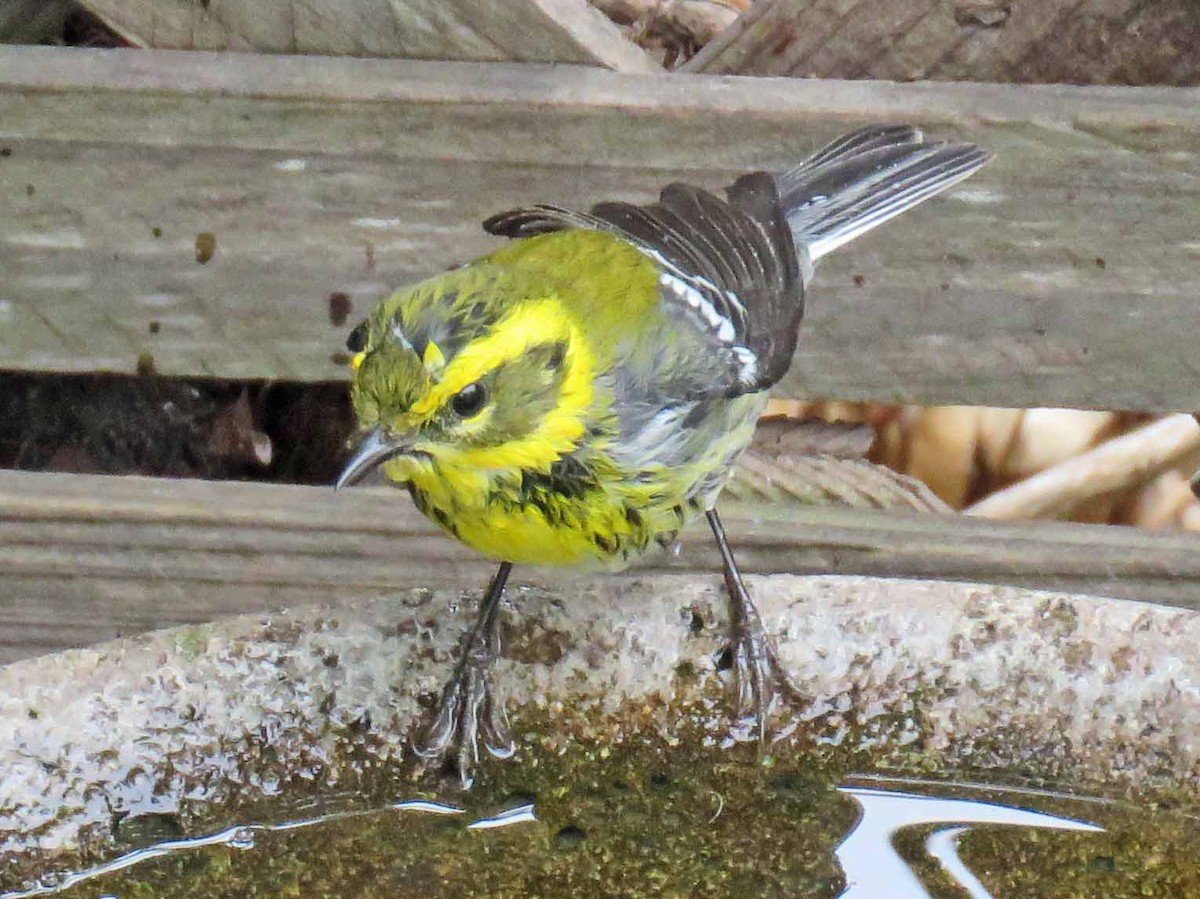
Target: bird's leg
{"x": 468, "y": 710}
{"x": 758, "y": 677}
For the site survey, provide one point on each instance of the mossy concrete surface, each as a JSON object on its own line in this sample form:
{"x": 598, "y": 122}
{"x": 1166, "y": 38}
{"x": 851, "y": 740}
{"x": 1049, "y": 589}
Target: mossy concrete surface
{"x": 184, "y": 732}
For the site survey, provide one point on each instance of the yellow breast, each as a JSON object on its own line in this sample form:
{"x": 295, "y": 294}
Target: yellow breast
{"x": 600, "y": 528}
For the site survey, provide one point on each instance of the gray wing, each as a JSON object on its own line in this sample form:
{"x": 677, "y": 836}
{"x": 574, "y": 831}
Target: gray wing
{"x": 729, "y": 268}
{"x": 736, "y": 268}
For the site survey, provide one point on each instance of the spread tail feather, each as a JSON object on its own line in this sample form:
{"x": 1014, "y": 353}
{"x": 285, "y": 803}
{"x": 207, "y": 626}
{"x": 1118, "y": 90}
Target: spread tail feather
{"x": 865, "y": 178}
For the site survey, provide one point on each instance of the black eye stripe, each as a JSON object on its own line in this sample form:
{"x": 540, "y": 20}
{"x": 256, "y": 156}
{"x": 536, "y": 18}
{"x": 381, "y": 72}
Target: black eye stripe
{"x": 470, "y": 400}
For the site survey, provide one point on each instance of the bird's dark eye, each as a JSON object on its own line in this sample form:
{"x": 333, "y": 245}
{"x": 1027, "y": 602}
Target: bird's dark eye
{"x": 469, "y": 400}
{"x": 357, "y": 341}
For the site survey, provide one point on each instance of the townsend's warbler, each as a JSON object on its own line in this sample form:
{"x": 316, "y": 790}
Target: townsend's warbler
{"x": 579, "y": 395}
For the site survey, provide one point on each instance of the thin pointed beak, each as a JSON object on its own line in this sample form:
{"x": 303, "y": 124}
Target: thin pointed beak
{"x": 375, "y": 449}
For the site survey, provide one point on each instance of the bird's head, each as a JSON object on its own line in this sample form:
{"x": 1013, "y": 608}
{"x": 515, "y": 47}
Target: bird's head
{"x": 467, "y": 373}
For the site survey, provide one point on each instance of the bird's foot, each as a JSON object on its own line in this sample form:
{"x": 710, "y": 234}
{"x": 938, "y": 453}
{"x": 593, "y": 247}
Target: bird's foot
{"x": 469, "y": 715}
{"x": 760, "y": 682}
{"x": 469, "y": 712}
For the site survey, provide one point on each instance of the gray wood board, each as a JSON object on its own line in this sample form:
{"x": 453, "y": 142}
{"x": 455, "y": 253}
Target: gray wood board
{"x": 85, "y": 558}
{"x": 568, "y": 31}
{"x": 1066, "y": 273}
{"x": 1085, "y": 42}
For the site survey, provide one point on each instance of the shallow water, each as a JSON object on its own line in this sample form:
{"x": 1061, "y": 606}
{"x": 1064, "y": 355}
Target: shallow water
{"x": 660, "y": 820}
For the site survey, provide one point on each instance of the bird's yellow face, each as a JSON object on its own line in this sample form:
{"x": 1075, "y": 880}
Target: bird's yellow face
{"x": 457, "y": 382}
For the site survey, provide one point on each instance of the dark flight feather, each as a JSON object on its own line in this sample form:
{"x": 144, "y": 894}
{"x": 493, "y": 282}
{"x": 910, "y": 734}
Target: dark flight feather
{"x": 746, "y": 259}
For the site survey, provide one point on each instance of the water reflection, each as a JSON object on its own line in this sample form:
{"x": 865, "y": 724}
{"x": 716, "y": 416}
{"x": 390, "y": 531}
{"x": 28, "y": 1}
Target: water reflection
{"x": 943, "y": 846}
{"x": 246, "y": 837}
{"x": 873, "y": 868}
{"x": 518, "y": 815}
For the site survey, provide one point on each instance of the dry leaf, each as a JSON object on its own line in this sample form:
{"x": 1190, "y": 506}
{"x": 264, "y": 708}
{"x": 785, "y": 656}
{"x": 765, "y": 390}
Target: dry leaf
{"x": 1162, "y": 504}
{"x": 941, "y": 451}
{"x": 999, "y": 430}
{"x": 1123, "y": 463}
{"x": 1048, "y": 437}
{"x": 233, "y": 435}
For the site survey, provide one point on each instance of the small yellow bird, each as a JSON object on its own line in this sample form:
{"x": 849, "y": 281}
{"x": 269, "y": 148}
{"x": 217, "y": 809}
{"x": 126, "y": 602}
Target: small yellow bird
{"x": 578, "y": 396}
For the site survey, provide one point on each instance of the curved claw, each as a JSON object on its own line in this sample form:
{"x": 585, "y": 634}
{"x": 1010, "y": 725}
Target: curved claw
{"x": 468, "y": 714}
{"x": 468, "y": 707}
{"x": 497, "y": 738}
{"x": 441, "y": 732}
{"x": 759, "y": 680}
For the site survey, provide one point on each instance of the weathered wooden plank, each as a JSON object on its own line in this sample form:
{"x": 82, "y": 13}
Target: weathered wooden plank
{"x": 568, "y": 31}
{"x": 1063, "y": 274}
{"x": 1088, "y": 42}
{"x": 85, "y": 558}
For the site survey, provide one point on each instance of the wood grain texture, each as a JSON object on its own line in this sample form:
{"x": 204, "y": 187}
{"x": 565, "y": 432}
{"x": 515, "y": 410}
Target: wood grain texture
{"x": 85, "y": 558}
{"x": 567, "y": 31}
{"x": 1065, "y": 273}
{"x": 1089, "y": 42}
